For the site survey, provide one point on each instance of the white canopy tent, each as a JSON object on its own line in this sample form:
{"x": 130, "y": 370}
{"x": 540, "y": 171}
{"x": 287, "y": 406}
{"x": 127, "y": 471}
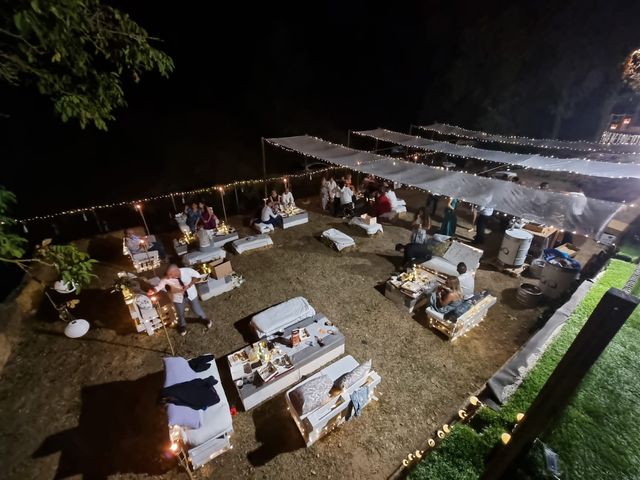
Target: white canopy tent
{"x": 578, "y": 146}
{"x": 574, "y": 213}
{"x": 571, "y": 165}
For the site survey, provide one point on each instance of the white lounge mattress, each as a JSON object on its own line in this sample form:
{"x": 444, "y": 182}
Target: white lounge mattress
{"x": 281, "y": 316}
{"x": 250, "y": 243}
{"x": 216, "y": 419}
{"x": 339, "y": 239}
{"x": 370, "y": 229}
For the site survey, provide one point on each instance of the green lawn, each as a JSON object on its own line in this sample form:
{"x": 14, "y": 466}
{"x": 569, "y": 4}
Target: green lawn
{"x": 597, "y": 435}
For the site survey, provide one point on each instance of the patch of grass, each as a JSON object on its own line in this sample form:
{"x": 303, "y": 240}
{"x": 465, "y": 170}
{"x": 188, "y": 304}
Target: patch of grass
{"x": 603, "y": 402}
{"x": 630, "y": 248}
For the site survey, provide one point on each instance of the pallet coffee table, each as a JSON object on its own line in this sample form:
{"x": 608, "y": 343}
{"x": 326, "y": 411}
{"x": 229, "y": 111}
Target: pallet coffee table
{"x": 262, "y": 370}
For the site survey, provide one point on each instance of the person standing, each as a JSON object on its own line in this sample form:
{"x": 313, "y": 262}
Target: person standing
{"x": 484, "y": 214}
{"x": 346, "y": 200}
{"x": 324, "y": 192}
{"x": 449, "y": 220}
{"x": 180, "y": 284}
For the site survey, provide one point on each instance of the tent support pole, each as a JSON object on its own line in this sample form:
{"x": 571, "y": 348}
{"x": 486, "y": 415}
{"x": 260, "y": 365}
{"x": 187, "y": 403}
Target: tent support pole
{"x": 264, "y": 166}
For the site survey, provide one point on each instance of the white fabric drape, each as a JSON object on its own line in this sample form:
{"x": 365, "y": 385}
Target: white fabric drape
{"x": 586, "y": 216}
{"x": 539, "y": 162}
{"x": 578, "y": 146}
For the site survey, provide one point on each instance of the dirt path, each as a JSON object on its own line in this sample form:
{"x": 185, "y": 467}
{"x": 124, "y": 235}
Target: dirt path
{"x": 88, "y": 406}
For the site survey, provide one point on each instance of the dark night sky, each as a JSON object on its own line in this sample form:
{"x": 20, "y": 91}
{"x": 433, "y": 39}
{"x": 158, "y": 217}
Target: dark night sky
{"x": 270, "y": 70}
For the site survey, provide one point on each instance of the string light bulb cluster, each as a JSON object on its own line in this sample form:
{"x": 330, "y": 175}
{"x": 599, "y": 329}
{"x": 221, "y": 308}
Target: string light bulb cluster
{"x": 138, "y": 204}
{"x": 375, "y": 159}
{"x": 515, "y": 159}
{"x": 576, "y": 145}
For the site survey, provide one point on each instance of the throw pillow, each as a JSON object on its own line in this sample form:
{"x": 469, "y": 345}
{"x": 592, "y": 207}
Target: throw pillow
{"x": 184, "y": 416}
{"x": 311, "y": 395}
{"x": 177, "y": 370}
{"x": 440, "y": 248}
{"x": 358, "y": 373}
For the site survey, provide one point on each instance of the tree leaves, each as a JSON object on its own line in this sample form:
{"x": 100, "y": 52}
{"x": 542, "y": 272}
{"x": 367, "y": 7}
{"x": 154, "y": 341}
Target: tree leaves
{"x": 76, "y": 52}
{"x": 73, "y": 266}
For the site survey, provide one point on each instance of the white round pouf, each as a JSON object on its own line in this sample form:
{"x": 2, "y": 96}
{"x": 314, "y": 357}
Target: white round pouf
{"x": 76, "y": 328}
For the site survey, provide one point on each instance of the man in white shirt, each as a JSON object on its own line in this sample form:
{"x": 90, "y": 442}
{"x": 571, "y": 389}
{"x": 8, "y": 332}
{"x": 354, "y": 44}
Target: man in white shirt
{"x": 287, "y": 198}
{"x": 181, "y": 289}
{"x": 484, "y": 214}
{"x": 346, "y": 199}
{"x": 467, "y": 281}
{"x": 269, "y": 217}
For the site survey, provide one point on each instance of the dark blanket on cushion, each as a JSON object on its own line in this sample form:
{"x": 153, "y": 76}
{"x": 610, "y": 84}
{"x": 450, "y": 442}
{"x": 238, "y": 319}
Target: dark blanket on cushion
{"x": 197, "y": 394}
{"x": 201, "y": 363}
{"x": 464, "y": 306}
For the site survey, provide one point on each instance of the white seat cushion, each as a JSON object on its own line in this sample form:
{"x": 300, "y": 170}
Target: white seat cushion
{"x": 369, "y": 228}
{"x": 251, "y": 243}
{"x": 339, "y": 239}
{"x": 281, "y": 316}
{"x": 263, "y": 227}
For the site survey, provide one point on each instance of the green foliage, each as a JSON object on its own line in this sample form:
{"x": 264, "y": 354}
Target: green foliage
{"x": 77, "y": 52}
{"x": 11, "y": 244}
{"x": 73, "y": 266}
{"x": 596, "y": 437}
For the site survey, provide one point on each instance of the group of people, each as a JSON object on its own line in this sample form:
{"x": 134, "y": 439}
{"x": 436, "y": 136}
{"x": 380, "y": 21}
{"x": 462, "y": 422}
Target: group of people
{"x": 200, "y": 215}
{"x": 270, "y": 210}
{"x": 338, "y": 197}
{"x": 455, "y": 290}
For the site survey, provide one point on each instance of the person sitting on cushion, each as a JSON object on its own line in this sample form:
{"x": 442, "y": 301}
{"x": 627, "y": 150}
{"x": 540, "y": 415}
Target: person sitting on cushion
{"x": 287, "y": 198}
{"x": 414, "y": 253}
{"x": 137, "y": 244}
{"x": 208, "y": 219}
{"x": 381, "y": 205}
{"x": 447, "y": 296}
{"x": 267, "y": 215}
{"x": 467, "y": 281}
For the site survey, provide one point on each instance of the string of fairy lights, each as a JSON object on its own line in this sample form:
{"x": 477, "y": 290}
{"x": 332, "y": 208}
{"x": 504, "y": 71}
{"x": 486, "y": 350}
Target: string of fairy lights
{"x": 181, "y": 194}
{"x": 518, "y": 140}
{"x": 524, "y": 156}
{"x": 378, "y": 158}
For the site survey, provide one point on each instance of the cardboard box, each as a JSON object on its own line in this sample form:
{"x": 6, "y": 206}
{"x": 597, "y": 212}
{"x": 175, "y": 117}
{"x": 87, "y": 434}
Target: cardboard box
{"x": 369, "y": 220}
{"x": 568, "y": 248}
{"x": 220, "y": 269}
{"x": 534, "y": 227}
{"x": 616, "y": 228}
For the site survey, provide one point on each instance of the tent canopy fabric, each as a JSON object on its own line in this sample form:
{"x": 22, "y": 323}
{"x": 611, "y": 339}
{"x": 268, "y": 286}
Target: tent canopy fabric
{"x": 538, "y": 162}
{"x": 570, "y": 212}
{"x": 578, "y": 146}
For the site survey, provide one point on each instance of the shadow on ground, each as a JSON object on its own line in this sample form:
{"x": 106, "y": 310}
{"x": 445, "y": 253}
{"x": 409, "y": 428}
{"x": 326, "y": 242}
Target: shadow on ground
{"x": 121, "y": 429}
{"x": 275, "y": 431}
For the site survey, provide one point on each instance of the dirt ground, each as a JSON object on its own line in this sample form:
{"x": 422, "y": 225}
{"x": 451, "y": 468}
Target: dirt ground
{"x": 87, "y": 408}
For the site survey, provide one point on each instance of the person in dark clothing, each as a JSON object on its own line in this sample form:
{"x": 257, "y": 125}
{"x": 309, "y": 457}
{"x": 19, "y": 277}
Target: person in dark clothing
{"x": 414, "y": 253}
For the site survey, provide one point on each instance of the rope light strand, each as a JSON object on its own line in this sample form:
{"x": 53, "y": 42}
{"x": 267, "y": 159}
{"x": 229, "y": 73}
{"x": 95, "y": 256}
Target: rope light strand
{"x": 133, "y": 203}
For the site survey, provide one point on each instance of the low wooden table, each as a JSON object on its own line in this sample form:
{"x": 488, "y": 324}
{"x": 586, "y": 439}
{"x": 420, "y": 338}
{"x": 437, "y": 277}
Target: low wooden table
{"x": 411, "y": 290}
{"x": 323, "y": 344}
